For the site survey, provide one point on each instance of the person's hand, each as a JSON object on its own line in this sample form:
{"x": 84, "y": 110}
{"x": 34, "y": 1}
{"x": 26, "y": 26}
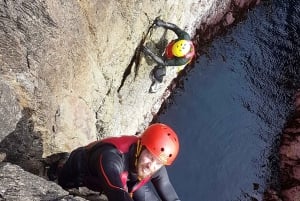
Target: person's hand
{"x": 158, "y": 22}
{"x": 145, "y": 50}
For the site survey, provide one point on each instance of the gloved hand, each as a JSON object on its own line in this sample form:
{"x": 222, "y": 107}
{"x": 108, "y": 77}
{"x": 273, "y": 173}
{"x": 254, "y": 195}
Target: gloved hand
{"x": 158, "y": 22}
{"x": 145, "y": 49}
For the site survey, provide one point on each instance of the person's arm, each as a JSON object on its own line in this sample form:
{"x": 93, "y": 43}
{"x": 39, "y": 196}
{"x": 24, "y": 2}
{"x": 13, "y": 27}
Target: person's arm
{"x": 176, "y": 61}
{"x": 159, "y": 60}
{"x": 165, "y": 62}
{"x": 163, "y": 186}
{"x": 181, "y": 34}
{"x": 110, "y": 169}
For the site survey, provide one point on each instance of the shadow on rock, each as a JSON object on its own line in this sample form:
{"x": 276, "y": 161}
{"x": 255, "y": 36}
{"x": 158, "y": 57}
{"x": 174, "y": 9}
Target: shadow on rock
{"x": 23, "y": 146}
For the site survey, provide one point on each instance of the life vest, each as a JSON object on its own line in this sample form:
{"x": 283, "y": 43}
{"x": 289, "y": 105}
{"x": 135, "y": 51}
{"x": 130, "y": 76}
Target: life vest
{"x": 122, "y": 144}
{"x": 169, "y": 54}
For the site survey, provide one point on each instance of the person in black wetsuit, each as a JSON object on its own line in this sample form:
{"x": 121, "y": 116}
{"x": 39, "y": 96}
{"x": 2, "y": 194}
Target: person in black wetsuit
{"x": 122, "y": 167}
{"x": 178, "y": 52}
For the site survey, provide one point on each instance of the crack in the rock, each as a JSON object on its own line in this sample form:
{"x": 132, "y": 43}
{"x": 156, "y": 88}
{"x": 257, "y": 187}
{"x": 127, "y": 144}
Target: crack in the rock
{"x": 136, "y": 59}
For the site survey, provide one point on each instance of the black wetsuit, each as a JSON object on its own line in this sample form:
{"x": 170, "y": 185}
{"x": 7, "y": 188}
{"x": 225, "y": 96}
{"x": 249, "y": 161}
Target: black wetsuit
{"x": 159, "y": 71}
{"x": 105, "y": 169}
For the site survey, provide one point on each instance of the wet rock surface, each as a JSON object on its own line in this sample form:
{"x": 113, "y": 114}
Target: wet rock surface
{"x": 289, "y": 153}
{"x": 290, "y": 157}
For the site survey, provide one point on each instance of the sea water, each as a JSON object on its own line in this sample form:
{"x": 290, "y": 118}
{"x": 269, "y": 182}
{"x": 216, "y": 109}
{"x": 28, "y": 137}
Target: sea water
{"x": 231, "y": 108}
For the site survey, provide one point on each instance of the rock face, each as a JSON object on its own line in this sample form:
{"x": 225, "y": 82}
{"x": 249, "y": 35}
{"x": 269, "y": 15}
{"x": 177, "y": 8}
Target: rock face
{"x": 11, "y": 113}
{"x": 67, "y": 71}
{"x": 289, "y": 153}
{"x": 69, "y": 74}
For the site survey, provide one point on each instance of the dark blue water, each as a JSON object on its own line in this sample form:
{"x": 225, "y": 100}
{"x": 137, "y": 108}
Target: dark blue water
{"x": 232, "y": 105}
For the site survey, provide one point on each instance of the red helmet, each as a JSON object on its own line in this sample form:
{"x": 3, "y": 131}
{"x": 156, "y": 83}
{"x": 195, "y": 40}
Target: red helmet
{"x": 162, "y": 142}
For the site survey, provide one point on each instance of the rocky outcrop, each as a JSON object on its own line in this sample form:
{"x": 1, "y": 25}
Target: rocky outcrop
{"x": 71, "y": 72}
{"x": 11, "y": 113}
{"x": 289, "y": 153}
{"x": 290, "y": 157}
{"x": 17, "y": 184}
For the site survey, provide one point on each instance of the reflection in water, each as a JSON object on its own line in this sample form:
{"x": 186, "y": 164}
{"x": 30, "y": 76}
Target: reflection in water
{"x": 232, "y": 106}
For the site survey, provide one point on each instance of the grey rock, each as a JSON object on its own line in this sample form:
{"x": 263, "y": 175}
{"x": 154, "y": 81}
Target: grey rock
{"x": 17, "y": 184}
{"x": 10, "y": 111}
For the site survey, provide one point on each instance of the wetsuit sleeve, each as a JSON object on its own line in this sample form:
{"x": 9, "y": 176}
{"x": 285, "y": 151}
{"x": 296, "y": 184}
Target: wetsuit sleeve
{"x": 176, "y": 61}
{"x": 157, "y": 59}
{"x": 181, "y": 34}
{"x": 110, "y": 169}
{"x": 163, "y": 186}
{"x": 165, "y": 62}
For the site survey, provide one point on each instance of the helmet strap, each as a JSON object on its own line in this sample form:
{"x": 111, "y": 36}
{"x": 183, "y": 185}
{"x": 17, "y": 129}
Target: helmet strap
{"x": 139, "y": 147}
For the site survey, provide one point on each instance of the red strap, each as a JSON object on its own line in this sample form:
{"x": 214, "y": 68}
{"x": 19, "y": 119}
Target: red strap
{"x": 168, "y": 50}
{"x": 192, "y": 51}
{"x": 124, "y": 176}
{"x": 139, "y": 185}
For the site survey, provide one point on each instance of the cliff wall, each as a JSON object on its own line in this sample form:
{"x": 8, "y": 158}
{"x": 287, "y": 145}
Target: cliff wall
{"x": 67, "y": 71}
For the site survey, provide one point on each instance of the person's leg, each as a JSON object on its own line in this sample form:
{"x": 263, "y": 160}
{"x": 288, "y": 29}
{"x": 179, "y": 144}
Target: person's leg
{"x": 159, "y": 72}
{"x": 145, "y": 193}
{"x": 157, "y": 75}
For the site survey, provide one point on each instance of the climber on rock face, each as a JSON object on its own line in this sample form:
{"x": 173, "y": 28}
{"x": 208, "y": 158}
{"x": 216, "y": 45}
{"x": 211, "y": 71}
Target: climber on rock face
{"x": 123, "y": 167}
{"x": 178, "y": 52}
